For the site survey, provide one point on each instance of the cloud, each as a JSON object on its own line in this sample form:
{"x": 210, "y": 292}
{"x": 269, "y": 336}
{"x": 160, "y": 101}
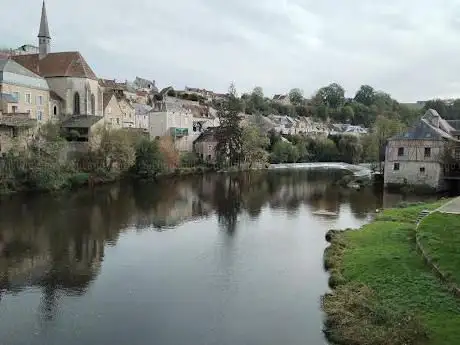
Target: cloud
{"x": 407, "y": 48}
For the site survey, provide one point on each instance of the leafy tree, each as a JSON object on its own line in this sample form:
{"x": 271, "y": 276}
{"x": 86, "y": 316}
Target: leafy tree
{"x": 438, "y": 105}
{"x": 171, "y": 93}
{"x": 383, "y": 129}
{"x": 169, "y": 153}
{"x": 229, "y": 133}
{"x": 253, "y": 144}
{"x": 149, "y": 160}
{"x": 348, "y": 114}
{"x": 284, "y": 152}
{"x": 332, "y": 95}
{"x": 365, "y": 95}
{"x": 296, "y": 97}
{"x": 350, "y": 149}
{"x": 117, "y": 148}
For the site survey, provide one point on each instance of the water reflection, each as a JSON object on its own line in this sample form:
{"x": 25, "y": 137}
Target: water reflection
{"x": 56, "y": 243}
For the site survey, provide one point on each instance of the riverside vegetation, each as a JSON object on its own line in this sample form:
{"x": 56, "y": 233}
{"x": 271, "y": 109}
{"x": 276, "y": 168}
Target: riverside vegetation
{"x": 120, "y": 153}
{"x": 384, "y": 293}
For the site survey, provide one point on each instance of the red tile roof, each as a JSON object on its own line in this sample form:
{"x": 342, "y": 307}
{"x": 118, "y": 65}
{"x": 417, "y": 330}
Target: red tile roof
{"x": 64, "y": 64}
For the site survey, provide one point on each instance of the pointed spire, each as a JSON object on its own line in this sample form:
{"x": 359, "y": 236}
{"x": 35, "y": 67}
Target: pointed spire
{"x": 44, "y": 30}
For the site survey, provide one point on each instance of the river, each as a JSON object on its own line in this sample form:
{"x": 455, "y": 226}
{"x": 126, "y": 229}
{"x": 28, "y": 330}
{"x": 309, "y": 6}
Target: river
{"x": 213, "y": 259}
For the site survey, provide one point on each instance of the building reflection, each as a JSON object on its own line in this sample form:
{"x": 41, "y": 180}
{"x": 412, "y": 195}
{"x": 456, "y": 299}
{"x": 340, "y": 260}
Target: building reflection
{"x": 56, "y": 243}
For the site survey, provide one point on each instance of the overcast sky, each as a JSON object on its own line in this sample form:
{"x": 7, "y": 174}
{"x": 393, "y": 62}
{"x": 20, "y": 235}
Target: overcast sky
{"x": 409, "y": 48}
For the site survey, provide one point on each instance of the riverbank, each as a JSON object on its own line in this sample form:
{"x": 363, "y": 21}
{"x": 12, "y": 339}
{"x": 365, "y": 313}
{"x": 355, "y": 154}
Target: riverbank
{"x": 383, "y": 292}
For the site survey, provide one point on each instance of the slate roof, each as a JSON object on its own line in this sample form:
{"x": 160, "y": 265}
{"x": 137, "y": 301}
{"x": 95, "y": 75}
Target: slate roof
{"x": 63, "y": 64}
{"x": 6, "y": 97}
{"x": 209, "y": 135}
{"x": 423, "y": 129}
{"x": 17, "y": 120}
{"x": 12, "y": 72}
{"x": 81, "y": 121}
{"x": 55, "y": 96}
{"x": 44, "y": 30}
{"x": 106, "y": 97}
{"x": 142, "y": 109}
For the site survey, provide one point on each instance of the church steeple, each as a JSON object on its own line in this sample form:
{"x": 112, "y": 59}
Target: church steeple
{"x": 44, "y": 38}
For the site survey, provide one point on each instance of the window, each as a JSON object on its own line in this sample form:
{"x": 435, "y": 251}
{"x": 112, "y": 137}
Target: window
{"x": 28, "y": 98}
{"x": 76, "y": 104}
{"x": 422, "y": 170}
{"x": 396, "y": 167}
{"x": 17, "y": 95}
{"x": 401, "y": 151}
{"x": 14, "y": 109}
{"x": 93, "y": 104}
{"x": 55, "y": 110}
{"x": 427, "y": 151}
{"x": 109, "y": 110}
{"x": 118, "y": 121}
{"x": 15, "y": 132}
{"x": 210, "y": 147}
{"x": 39, "y": 115}
{"x": 39, "y": 100}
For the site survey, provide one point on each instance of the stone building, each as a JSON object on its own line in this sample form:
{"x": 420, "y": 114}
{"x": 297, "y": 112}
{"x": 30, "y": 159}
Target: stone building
{"x": 205, "y": 145}
{"x": 73, "y": 82}
{"x": 22, "y": 91}
{"x": 416, "y": 156}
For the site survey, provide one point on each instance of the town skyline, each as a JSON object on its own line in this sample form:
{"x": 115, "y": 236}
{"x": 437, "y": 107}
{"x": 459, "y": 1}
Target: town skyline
{"x": 203, "y": 51}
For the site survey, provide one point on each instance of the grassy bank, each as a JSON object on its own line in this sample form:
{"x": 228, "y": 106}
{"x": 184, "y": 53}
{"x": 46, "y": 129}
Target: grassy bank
{"x": 439, "y": 235}
{"x": 383, "y": 291}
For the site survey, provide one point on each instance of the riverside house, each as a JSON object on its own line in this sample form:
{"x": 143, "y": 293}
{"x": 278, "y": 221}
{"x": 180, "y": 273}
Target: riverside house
{"x": 418, "y": 157}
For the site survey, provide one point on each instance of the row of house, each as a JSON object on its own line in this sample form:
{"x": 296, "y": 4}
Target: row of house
{"x": 38, "y": 85}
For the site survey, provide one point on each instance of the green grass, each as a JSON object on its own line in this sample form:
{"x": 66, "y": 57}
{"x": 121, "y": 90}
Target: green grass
{"x": 439, "y": 234}
{"x": 382, "y": 258}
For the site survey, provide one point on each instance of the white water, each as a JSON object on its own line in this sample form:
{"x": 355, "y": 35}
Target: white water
{"x": 357, "y": 170}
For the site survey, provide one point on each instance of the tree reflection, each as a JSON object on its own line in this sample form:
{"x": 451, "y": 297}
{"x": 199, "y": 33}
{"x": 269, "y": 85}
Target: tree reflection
{"x": 57, "y": 242}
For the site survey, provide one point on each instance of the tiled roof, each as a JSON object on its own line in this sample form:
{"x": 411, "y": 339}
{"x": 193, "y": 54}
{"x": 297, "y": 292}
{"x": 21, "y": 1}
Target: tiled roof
{"x": 64, "y": 64}
{"x": 81, "y": 121}
{"x": 17, "y": 120}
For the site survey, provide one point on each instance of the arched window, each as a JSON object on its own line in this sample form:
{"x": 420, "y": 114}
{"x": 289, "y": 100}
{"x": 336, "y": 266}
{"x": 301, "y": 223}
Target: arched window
{"x": 55, "y": 110}
{"x": 93, "y": 104}
{"x": 76, "y": 104}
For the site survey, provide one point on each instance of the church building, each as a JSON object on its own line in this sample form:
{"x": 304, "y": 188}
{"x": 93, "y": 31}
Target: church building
{"x": 73, "y": 85}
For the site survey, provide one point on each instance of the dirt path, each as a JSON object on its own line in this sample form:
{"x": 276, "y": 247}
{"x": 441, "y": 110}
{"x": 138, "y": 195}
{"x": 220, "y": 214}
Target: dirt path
{"x": 452, "y": 206}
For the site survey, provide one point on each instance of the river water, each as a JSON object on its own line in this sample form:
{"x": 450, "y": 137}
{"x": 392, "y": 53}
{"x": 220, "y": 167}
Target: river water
{"x": 214, "y": 259}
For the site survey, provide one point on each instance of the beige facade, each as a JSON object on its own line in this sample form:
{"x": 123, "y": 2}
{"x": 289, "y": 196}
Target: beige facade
{"x": 417, "y": 157}
{"x": 128, "y": 111}
{"x": 112, "y": 112}
{"x": 414, "y": 162}
{"x": 30, "y": 100}
{"x": 80, "y": 95}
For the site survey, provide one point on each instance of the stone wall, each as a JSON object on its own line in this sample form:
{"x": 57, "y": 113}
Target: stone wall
{"x": 411, "y": 173}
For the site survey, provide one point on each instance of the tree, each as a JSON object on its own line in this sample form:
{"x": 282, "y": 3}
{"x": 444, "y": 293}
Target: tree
{"x": 383, "y": 129}
{"x": 149, "y": 160}
{"x": 169, "y": 153}
{"x": 332, "y": 95}
{"x": 116, "y": 147}
{"x": 296, "y": 97}
{"x": 284, "y": 152}
{"x": 438, "y": 105}
{"x": 229, "y": 133}
{"x": 348, "y": 114}
{"x": 365, "y": 95}
{"x": 350, "y": 149}
{"x": 253, "y": 145}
